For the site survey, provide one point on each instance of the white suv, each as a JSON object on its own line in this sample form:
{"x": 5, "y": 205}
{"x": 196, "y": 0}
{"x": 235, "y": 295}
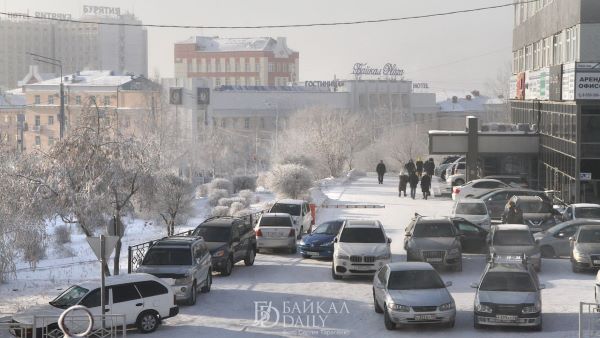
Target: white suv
{"x": 300, "y": 212}
{"x": 145, "y": 301}
{"x": 360, "y": 248}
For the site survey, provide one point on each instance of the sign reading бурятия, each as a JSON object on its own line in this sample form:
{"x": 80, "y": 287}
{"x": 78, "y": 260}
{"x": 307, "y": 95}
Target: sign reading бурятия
{"x": 389, "y": 69}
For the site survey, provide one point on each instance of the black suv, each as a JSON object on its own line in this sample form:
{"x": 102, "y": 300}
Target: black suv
{"x": 230, "y": 240}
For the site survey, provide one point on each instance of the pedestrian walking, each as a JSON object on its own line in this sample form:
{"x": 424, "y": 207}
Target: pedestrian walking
{"x": 425, "y": 185}
{"x": 514, "y": 214}
{"x": 429, "y": 167}
{"x": 380, "y": 171}
{"x": 419, "y": 165}
{"x": 403, "y": 183}
{"x": 410, "y": 167}
{"x": 413, "y": 181}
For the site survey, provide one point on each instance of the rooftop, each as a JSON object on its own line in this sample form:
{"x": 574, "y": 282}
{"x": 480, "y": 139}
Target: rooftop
{"x": 87, "y": 78}
{"x": 218, "y": 44}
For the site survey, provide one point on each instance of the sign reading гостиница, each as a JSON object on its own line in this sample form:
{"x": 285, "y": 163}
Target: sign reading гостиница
{"x": 389, "y": 69}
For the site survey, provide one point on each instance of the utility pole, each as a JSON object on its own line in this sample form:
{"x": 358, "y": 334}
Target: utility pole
{"x": 56, "y": 63}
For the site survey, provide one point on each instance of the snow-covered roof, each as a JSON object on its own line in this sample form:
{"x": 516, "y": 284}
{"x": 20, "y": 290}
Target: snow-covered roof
{"x": 217, "y": 44}
{"x": 475, "y": 103}
{"x": 8, "y": 99}
{"x": 87, "y": 78}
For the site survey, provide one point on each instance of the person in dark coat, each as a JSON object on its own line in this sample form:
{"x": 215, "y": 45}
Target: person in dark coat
{"x": 380, "y": 171}
{"x": 419, "y": 165}
{"x": 514, "y": 214}
{"x": 402, "y": 185}
{"x": 429, "y": 167}
{"x": 413, "y": 180}
{"x": 425, "y": 185}
{"x": 410, "y": 167}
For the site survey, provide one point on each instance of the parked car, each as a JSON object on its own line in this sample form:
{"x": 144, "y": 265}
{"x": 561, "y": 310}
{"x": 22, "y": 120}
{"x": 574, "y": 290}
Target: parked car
{"x": 496, "y": 200}
{"x": 476, "y": 187}
{"x": 319, "y": 243}
{"x": 472, "y": 210}
{"x": 440, "y": 169}
{"x": 538, "y": 213}
{"x": 473, "y": 238}
{"x": 412, "y": 293}
{"x": 230, "y": 240}
{"x": 514, "y": 240}
{"x": 300, "y": 212}
{"x": 508, "y": 294}
{"x": 554, "y": 242}
{"x": 597, "y": 288}
{"x": 360, "y": 248}
{"x": 434, "y": 240}
{"x": 185, "y": 264}
{"x": 582, "y": 210}
{"x": 585, "y": 248}
{"x": 124, "y": 293}
{"x": 276, "y": 231}
{"x": 511, "y": 180}
{"x": 452, "y": 168}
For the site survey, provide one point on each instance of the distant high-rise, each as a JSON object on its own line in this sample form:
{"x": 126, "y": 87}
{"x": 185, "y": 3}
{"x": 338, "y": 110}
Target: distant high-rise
{"x": 78, "y": 45}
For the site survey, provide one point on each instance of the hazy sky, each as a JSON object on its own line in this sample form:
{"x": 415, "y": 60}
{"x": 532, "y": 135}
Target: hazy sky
{"x": 473, "y": 47}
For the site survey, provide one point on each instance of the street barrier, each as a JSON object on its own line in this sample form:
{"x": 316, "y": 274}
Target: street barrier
{"x": 589, "y": 320}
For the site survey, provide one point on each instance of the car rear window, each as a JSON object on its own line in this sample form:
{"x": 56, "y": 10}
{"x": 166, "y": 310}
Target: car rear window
{"x": 434, "y": 230}
{"x": 415, "y": 279}
{"x": 507, "y": 281}
{"x": 512, "y": 237}
{"x": 471, "y": 209}
{"x": 275, "y": 222}
{"x": 587, "y": 212}
{"x": 362, "y": 235}
{"x": 292, "y": 209}
{"x": 168, "y": 256}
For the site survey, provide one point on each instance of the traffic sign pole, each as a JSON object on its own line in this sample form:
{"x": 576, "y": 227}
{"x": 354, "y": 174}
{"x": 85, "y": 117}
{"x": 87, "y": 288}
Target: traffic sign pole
{"x": 102, "y": 281}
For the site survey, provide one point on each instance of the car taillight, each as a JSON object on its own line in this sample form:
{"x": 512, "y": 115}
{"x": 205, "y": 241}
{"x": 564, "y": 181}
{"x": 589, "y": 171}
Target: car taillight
{"x": 456, "y": 190}
{"x": 292, "y": 233}
{"x": 258, "y": 233}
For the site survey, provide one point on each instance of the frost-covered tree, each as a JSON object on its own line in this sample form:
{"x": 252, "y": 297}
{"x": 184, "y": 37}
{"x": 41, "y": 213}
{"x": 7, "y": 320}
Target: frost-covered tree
{"x": 289, "y": 180}
{"x": 174, "y": 200}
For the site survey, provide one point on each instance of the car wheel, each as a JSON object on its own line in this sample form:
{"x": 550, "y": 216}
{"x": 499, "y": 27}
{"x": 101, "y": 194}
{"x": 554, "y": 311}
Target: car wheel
{"x": 300, "y": 233}
{"x": 458, "y": 267}
{"x": 476, "y": 325}
{"x": 249, "y": 260}
{"x": 207, "y": 283}
{"x": 305, "y": 256}
{"x": 450, "y": 324}
{"x": 387, "y": 320}
{"x": 378, "y": 308}
{"x": 293, "y": 250}
{"x": 147, "y": 322}
{"x": 459, "y": 181}
{"x": 333, "y": 274}
{"x": 228, "y": 267}
{"x": 538, "y": 327}
{"x": 547, "y": 252}
{"x": 575, "y": 268}
{"x": 193, "y": 295}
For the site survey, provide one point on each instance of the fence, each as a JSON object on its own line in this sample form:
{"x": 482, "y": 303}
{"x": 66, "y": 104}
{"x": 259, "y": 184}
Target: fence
{"x": 589, "y": 320}
{"x": 46, "y": 327}
{"x": 136, "y": 253}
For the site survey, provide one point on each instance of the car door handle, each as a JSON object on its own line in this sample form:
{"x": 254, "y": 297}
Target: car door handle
{"x": 139, "y": 304}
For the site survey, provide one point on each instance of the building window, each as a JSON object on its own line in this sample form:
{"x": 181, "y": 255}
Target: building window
{"x": 38, "y": 141}
{"x": 37, "y": 99}
{"x": 51, "y": 141}
{"x": 247, "y": 67}
{"x": 262, "y": 123}
{"x": 237, "y": 67}
{"x": 107, "y": 100}
{"x": 278, "y": 67}
{"x": 247, "y": 123}
{"x": 223, "y": 123}
{"x": 227, "y": 81}
{"x": 50, "y": 120}
{"x": 37, "y": 121}
{"x": 77, "y": 99}
{"x": 257, "y": 65}
{"x": 209, "y": 65}
{"x": 50, "y": 99}
{"x": 218, "y": 82}
{"x": 227, "y": 66}
{"x": 257, "y": 81}
{"x": 271, "y": 67}
{"x": 218, "y": 64}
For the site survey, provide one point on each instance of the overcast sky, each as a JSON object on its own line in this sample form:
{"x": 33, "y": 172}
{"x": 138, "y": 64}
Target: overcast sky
{"x": 457, "y": 52}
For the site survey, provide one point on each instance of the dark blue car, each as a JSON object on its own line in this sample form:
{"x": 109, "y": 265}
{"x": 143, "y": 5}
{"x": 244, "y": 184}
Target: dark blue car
{"x": 319, "y": 243}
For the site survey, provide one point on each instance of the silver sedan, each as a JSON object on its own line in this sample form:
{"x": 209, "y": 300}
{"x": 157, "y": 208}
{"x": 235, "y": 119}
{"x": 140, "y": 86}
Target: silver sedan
{"x": 412, "y": 293}
{"x": 554, "y": 242}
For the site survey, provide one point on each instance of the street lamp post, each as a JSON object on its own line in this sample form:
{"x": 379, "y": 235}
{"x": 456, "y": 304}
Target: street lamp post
{"x": 57, "y": 63}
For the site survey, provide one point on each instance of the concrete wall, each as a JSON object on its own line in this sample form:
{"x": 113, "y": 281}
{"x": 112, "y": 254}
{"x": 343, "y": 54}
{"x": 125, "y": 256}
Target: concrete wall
{"x": 590, "y": 34}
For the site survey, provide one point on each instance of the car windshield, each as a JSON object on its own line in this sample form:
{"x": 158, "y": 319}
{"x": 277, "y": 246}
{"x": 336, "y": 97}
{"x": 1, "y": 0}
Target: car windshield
{"x": 329, "y": 228}
{"x": 534, "y": 207}
{"x": 434, "y": 230}
{"x": 362, "y": 235}
{"x": 513, "y": 237}
{"x": 471, "y": 209}
{"x": 415, "y": 280}
{"x": 589, "y": 236}
{"x": 292, "y": 209}
{"x": 507, "y": 281}
{"x": 275, "y": 222}
{"x": 588, "y": 212}
{"x": 213, "y": 234}
{"x": 70, "y": 297}
{"x": 168, "y": 256}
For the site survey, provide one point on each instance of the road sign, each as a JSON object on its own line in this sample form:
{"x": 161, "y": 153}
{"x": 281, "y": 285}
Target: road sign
{"x": 109, "y": 246}
{"x": 585, "y": 176}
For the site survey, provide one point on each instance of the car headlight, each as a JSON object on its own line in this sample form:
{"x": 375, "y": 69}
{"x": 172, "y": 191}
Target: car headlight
{"x": 399, "y": 307}
{"x": 341, "y": 256}
{"x": 532, "y": 308}
{"x": 302, "y": 242}
{"x": 483, "y": 308}
{"x": 447, "y": 306}
{"x": 579, "y": 256}
{"x": 219, "y": 253}
{"x": 184, "y": 280}
{"x": 454, "y": 251}
{"x": 327, "y": 244}
{"x": 383, "y": 256}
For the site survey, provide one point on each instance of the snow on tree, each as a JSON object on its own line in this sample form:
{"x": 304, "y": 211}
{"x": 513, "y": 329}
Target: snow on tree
{"x": 289, "y": 180}
{"x": 174, "y": 201}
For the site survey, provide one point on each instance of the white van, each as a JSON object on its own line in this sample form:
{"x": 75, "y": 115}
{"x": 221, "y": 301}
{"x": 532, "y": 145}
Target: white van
{"x": 300, "y": 212}
{"x": 145, "y": 301}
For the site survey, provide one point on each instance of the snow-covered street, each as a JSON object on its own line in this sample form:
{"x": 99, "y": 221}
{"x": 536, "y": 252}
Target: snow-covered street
{"x": 285, "y": 295}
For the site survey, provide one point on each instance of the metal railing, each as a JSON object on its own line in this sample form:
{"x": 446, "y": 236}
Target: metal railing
{"x": 589, "y": 320}
{"x": 136, "y": 253}
{"x": 47, "y": 327}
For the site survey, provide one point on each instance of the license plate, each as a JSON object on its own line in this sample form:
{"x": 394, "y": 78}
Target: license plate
{"x": 506, "y": 317}
{"x": 434, "y": 260}
{"x": 363, "y": 267}
{"x": 274, "y": 235}
{"x": 424, "y": 317}
{"x": 596, "y": 261}
{"x": 312, "y": 253}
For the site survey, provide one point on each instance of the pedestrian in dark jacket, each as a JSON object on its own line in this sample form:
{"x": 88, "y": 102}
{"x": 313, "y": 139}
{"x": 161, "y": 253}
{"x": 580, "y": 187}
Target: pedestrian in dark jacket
{"x": 413, "y": 180}
{"x": 380, "y": 171}
{"x": 514, "y": 214}
{"x": 425, "y": 185}
{"x": 403, "y": 183}
{"x": 419, "y": 165}
{"x": 410, "y": 167}
{"x": 429, "y": 167}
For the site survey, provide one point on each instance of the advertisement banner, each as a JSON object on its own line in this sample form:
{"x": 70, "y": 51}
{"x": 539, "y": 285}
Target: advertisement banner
{"x": 532, "y": 81}
{"x": 556, "y": 77}
{"x": 512, "y": 87}
{"x": 520, "y": 86}
{"x": 587, "y": 81}
{"x": 544, "y": 84}
{"x": 568, "y": 82}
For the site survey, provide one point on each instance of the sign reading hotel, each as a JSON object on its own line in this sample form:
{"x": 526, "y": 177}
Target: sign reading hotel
{"x": 587, "y": 81}
{"x": 101, "y": 11}
{"x": 48, "y": 15}
{"x": 389, "y": 69}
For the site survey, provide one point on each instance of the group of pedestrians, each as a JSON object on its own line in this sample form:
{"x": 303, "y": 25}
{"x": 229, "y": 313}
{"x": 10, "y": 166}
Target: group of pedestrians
{"x": 410, "y": 176}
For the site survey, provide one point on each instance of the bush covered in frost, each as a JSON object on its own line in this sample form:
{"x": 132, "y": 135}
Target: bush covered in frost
{"x": 244, "y": 183}
{"x": 220, "y": 211}
{"x": 248, "y": 197}
{"x": 227, "y": 202}
{"x": 221, "y": 183}
{"x": 289, "y": 180}
{"x": 215, "y": 195}
{"x": 62, "y": 234}
{"x": 235, "y": 208}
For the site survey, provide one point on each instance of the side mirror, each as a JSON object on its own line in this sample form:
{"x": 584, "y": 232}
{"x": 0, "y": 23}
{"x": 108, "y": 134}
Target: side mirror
{"x": 560, "y": 235}
{"x": 542, "y": 286}
{"x": 474, "y": 285}
{"x": 335, "y": 240}
{"x": 448, "y": 283}
{"x": 572, "y": 238}
{"x": 389, "y": 240}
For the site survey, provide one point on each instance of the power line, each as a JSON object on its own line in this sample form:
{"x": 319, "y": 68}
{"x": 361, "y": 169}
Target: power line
{"x": 340, "y": 23}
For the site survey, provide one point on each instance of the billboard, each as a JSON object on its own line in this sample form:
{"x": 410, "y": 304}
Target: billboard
{"x": 568, "y": 82}
{"x": 520, "y": 86}
{"x": 512, "y": 87}
{"x": 556, "y": 75}
{"x": 587, "y": 81}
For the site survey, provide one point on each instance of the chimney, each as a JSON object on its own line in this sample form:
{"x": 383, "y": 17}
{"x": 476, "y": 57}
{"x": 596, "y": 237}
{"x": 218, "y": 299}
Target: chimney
{"x": 454, "y": 99}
